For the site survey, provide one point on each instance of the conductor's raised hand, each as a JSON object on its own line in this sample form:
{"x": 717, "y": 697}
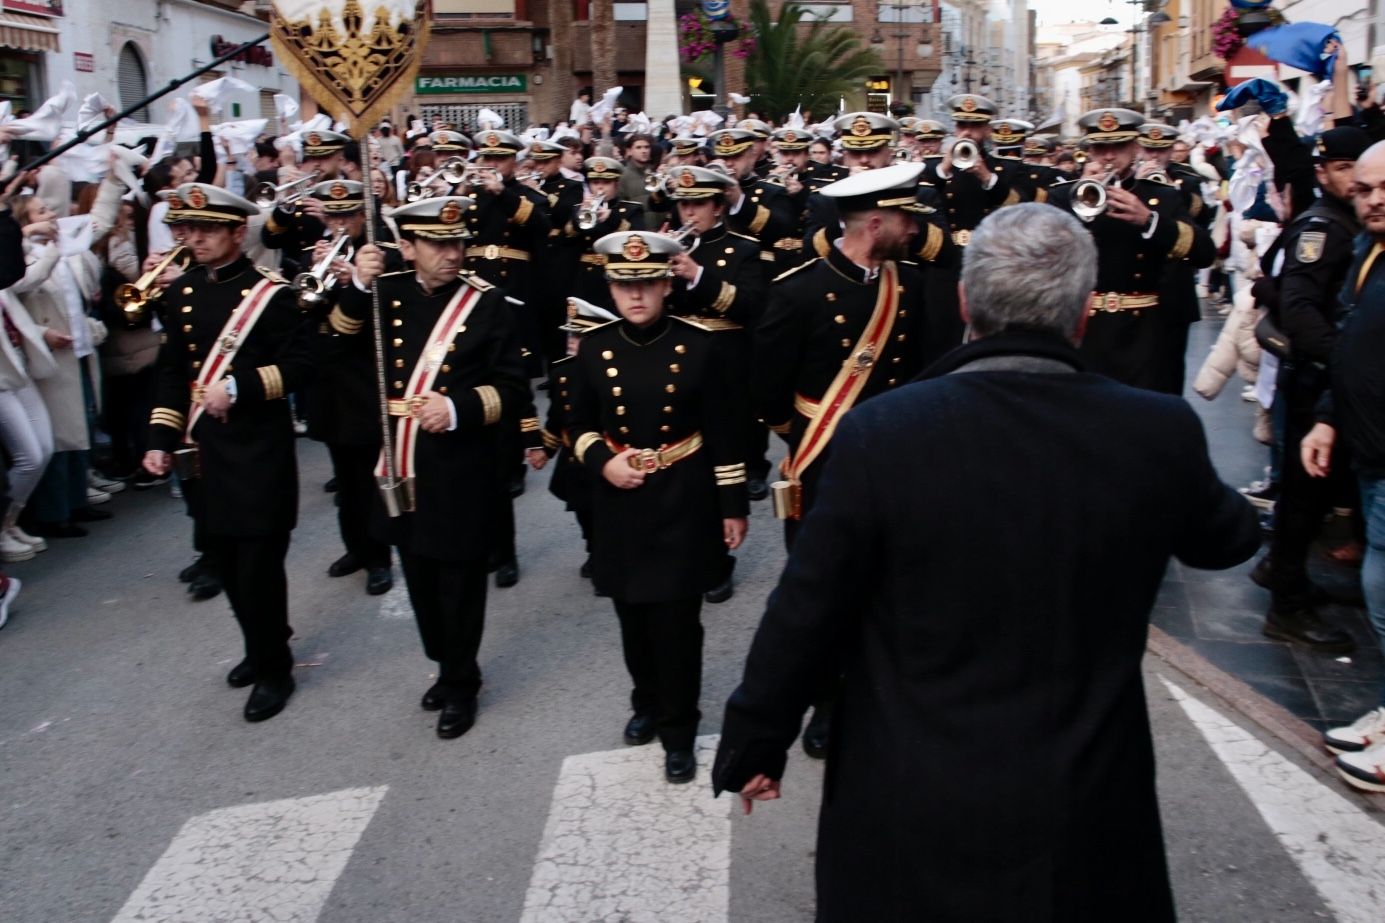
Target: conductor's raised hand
{"x": 370, "y": 263}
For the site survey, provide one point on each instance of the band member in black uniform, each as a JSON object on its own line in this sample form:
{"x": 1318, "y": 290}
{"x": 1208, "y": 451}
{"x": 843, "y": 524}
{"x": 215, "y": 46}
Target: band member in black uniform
{"x": 688, "y": 151}
{"x": 764, "y": 162}
{"x": 342, "y": 406}
{"x": 973, "y": 192}
{"x": 1318, "y": 258}
{"x": 1178, "y": 302}
{"x": 1039, "y": 150}
{"x": 718, "y": 283}
{"x": 756, "y": 208}
{"x": 1140, "y": 227}
{"x": 654, "y": 422}
{"x": 453, "y": 366}
{"x": 1032, "y": 180}
{"x": 610, "y": 215}
{"x": 295, "y": 223}
{"x": 928, "y": 140}
{"x": 840, "y": 330}
{"x": 234, "y": 345}
{"x": 564, "y": 192}
{"x": 800, "y": 177}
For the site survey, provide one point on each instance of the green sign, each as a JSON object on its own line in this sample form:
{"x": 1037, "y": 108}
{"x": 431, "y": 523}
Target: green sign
{"x": 471, "y": 83}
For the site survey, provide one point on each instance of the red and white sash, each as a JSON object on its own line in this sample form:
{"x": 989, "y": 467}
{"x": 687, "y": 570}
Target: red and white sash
{"x": 228, "y": 344}
{"x": 425, "y": 372}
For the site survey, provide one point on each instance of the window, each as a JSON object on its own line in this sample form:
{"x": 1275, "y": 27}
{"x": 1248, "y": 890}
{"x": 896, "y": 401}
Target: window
{"x": 132, "y": 80}
{"x": 462, "y": 116}
{"x": 269, "y": 111}
{"x": 473, "y": 9}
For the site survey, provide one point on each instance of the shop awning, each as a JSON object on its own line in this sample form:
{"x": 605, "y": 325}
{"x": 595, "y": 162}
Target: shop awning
{"x": 27, "y": 33}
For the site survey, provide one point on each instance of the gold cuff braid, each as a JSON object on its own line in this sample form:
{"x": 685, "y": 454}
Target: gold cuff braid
{"x": 490, "y": 404}
{"x": 343, "y": 324}
{"x": 164, "y": 416}
{"x": 273, "y": 382}
{"x": 526, "y": 208}
{"x": 725, "y": 297}
{"x": 584, "y": 442}
{"x": 1184, "y": 244}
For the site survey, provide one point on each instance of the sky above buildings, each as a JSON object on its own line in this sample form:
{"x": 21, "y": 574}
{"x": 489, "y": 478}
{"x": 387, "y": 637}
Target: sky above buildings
{"x": 1059, "y": 11}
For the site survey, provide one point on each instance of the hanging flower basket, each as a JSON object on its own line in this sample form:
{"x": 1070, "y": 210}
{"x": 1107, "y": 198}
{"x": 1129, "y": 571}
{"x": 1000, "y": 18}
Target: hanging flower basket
{"x": 1229, "y": 32}
{"x": 696, "y": 41}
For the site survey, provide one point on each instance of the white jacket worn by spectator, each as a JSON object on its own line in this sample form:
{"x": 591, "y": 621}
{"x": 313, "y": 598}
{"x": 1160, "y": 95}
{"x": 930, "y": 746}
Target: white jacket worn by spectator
{"x": 1236, "y": 349}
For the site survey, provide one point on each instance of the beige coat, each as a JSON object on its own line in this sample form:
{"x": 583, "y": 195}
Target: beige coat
{"x": 1236, "y": 349}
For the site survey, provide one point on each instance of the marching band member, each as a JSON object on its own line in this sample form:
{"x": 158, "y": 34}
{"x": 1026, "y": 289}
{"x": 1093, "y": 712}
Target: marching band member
{"x": 237, "y": 335}
{"x": 654, "y": 411}
{"x": 610, "y": 215}
{"x": 454, "y": 371}
{"x": 295, "y": 222}
{"x": 979, "y": 189}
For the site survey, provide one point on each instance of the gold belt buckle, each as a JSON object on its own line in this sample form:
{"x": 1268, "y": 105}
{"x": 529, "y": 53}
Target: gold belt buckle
{"x": 416, "y": 404}
{"x": 492, "y": 252}
{"x": 228, "y": 344}
{"x": 1113, "y": 301}
{"x": 647, "y": 460}
{"x": 198, "y": 392}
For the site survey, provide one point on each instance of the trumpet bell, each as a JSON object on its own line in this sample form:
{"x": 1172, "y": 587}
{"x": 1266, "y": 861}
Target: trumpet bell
{"x": 965, "y": 154}
{"x": 266, "y": 194}
{"x": 1088, "y": 199}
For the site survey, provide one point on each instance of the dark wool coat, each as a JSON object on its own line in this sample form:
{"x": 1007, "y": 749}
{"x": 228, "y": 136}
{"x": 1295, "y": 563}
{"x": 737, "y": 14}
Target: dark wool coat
{"x": 990, "y": 756}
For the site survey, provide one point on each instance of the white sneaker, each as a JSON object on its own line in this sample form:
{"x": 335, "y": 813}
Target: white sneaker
{"x": 11, "y": 592}
{"x": 106, "y": 484}
{"x": 1366, "y": 731}
{"x": 96, "y": 497}
{"x": 33, "y": 541}
{"x": 1364, "y": 770}
{"x": 13, "y": 550}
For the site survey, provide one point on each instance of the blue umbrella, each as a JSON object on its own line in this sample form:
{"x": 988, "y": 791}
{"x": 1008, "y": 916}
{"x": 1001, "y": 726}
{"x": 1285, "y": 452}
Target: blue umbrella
{"x": 1298, "y": 44}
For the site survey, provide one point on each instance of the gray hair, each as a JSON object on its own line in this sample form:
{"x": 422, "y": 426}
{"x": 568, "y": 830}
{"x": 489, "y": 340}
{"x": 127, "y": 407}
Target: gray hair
{"x": 1030, "y": 266}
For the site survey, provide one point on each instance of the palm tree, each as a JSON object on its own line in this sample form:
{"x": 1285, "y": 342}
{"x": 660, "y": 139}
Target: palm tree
{"x": 814, "y": 67}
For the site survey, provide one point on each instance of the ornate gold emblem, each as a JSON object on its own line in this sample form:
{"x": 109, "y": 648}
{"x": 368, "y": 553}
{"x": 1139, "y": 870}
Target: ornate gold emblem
{"x": 450, "y": 213}
{"x": 338, "y": 191}
{"x": 197, "y": 198}
{"x": 864, "y": 360}
{"x": 492, "y": 140}
{"x": 314, "y": 140}
{"x": 726, "y": 144}
{"x": 1156, "y": 134}
{"x": 686, "y": 179}
{"x": 174, "y": 203}
{"x": 790, "y": 137}
{"x": 227, "y": 344}
{"x": 861, "y": 126}
{"x": 600, "y": 166}
{"x": 1108, "y": 122}
{"x": 635, "y": 249}
{"x": 968, "y": 104}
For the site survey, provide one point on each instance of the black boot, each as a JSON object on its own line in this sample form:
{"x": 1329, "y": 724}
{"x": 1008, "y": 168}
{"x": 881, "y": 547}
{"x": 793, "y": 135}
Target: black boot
{"x": 1298, "y": 623}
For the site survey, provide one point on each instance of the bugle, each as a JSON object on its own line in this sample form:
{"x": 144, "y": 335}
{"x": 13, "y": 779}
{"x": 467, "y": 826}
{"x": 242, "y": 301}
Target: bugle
{"x": 1089, "y": 196}
{"x": 312, "y": 286}
{"x": 965, "y": 154}
{"x": 687, "y": 237}
{"x": 590, "y": 212}
{"x": 133, "y": 297}
{"x": 267, "y": 195}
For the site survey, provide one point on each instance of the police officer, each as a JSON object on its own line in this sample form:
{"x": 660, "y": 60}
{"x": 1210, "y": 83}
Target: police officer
{"x": 453, "y": 367}
{"x": 840, "y": 330}
{"x": 984, "y": 185}
{"x": 236, "y": 334}
{"x": 1317, "y": 251}
{"x": 342, "y": 404}
{"x": 1141, "y": 226}
{"x": 654, "y": 422}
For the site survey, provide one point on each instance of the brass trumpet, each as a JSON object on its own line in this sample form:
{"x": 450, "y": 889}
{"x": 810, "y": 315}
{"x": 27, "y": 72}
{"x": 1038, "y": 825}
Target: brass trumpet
{"x": 965, "y": 154}
{"x": 589, "y": 213}
{"x": 656, "y": 181}
{"x": 687, "y": 237}
{"x": 1089, "y": 196}
{"x": 904, "y": 155}
{"x": 267, "y": 195}
{"x": 133, "y": 297}
{"x": 312, "y": 286}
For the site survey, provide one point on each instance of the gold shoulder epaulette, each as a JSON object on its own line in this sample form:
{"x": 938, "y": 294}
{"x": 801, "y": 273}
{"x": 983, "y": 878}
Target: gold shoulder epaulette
{"x": 710, "y": 324}
{"x": 476, "y": 282}
{"x": 788, "y": 272}
{"x": 271, "y": 274}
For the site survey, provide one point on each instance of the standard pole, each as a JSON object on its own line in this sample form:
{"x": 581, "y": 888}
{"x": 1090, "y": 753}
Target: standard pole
{"x": 86, "y": 133}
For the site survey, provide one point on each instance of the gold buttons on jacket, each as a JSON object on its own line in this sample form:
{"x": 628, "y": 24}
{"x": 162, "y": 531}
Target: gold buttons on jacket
{"x": 665, "y": 428}
{"x": 607, "y": 355}
{"x": 244, "y": 292}
{"x": 616, "y": 391}
{"x": 452, "y": 347}
{"x": 443, "y": 389}
{"x": 680, "y": 349}
{"x": 831, "y": 296}
{"x": 674, "y": 367}
{"x": 399, "y": 363}
{"x": 562, "y": 379}
{"x": 620, "y": 410}
{"x": 670, "y": 388}
{"x": 730, "y": 250}
{"x": 447, "y": 368}
{"x": 187, "y": 328}
{"x": 900, "y": 338}
{"x": 396, "y": 304}
{"x": 399, "y": 385}
{"x": 187, "y": 309}
{"x": 846, "y": 344}
{"x": 398, "y": 341}
{"x": 612, "y": 373}
{"x": 668, "y": 409}
{"x": 721, "y": 262}
{"x": 187, "y": 289}
{"x": 625, "y": 430}
{"x": 840, "y": 318}
{"x": 398, "y": 322}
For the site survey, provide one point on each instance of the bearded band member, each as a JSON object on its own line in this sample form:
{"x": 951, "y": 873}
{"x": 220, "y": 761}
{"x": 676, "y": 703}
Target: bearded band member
{"x": 236, "y": 334}
{"x": 454, "y": 371}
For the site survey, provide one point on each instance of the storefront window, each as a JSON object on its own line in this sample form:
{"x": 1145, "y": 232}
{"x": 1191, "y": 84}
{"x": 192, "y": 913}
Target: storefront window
{"x": 20, "y": 80}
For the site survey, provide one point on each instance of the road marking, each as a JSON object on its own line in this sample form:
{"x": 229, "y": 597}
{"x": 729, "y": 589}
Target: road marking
{"x": 272, "y": 861}
{"x": 1339, "y": 849}
{"x": 621, "y": 844}
{"x": 394, "y": 605}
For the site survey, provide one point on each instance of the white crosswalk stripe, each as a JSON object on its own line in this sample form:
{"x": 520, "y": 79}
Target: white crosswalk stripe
{"x": 395, "y": 605}
{"x": 272, "y": 861}
{"x": 623, "y": 846}
{"x": 1340, "y": 850}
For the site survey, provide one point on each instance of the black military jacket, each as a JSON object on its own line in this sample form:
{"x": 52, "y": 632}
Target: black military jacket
{"x": 1190, "y": 182}
{"x": 590, "y": 284}
{"x": 966, "y": 201}
{"x": 564, "y": 196}
{"x": 515, "y": 220}
{"x": 571, "y": 482}
{"x": 1031, "y": 180}
{"x": 249, "y": 482}
{"x": 1317, "y": 253}
{"x": 292, "y": 230}
{"x": 732, "y": 284}
{"x": 648, "y": 389}
{"x": 458, "y": 472}
{"x": 767, "y": 214}
{"x": 932, "y": 245}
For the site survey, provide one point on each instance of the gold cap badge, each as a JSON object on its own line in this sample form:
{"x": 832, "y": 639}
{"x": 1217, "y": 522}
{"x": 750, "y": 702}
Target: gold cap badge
{"x": 861, "y": 126}
{"x": 492, "y": 140}
{"x": 338, "y": 191}
{"x": 686, "y": 178}
{"x": 314, "y": 139}
{"x": 451, "y": 213}
{"x": 1155, "y": 134}
{"x": 197, "y": 198}
{"x": 968, "y": 104}
{"x": 1108, "y": 122}
{"x": 635, "y": 249}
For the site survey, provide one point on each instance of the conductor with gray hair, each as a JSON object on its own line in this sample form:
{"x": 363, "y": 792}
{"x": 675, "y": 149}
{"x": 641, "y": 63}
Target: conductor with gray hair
{"x": 980, "y": 566}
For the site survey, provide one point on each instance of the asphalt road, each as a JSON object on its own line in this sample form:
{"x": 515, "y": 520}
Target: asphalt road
{"x": 131, "y": 789}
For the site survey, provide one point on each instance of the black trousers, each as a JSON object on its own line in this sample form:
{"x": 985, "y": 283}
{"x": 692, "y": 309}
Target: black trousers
{"x": 354, "y": 468}
{"x": 125, "y": 417}
{"x": 662, "y": 643}
{"x": 449, "y": 600}
{"x": 252, "y": 573}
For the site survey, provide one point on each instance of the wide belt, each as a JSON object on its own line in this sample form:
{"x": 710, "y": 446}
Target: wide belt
{"x": 495, "y": 252}
{"x": 806, "y": 406}
{"x": 789, "y": 243}
{"x": 658, "y": 459}
{"x": 1115, "y": 302}
{"x": 961, "y": 238}
{"x": 593, "y": 259}
{"x": 404, "y": 408}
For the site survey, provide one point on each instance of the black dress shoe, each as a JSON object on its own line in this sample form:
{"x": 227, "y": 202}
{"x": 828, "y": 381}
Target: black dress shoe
{"x": 815, "y": 735}
{"x": 433, "y": 699}
{"x": 456, "y": 718}
{"x": 241, "y": 675}
{"x": 680, "y": 766}
{"x": 721, "y": 592}
{"x": 507, "y": 574}
{"x": 189, "y": 573}
{"x": 56, "y": 530}
{"x": 756, "y": 488}
{"x": 268, "y": 698}
{"x": 205, "y": 585}
{"x": 586, "y": 572}
{"x": 346, "y": 564}
{"x": 378, "y": 581}
{"x": 331, "y": 486}
{"x": 639, "y": 730}
{"x": 1301, "y": 625}
{"x": 90, "y": 514}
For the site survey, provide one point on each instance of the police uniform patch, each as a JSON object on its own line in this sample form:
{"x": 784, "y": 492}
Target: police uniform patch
{"x": 1310, "y": 244}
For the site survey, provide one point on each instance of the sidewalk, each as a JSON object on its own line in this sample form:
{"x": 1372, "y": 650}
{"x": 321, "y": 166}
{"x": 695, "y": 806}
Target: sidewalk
{"x": 1218, "y": 614}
